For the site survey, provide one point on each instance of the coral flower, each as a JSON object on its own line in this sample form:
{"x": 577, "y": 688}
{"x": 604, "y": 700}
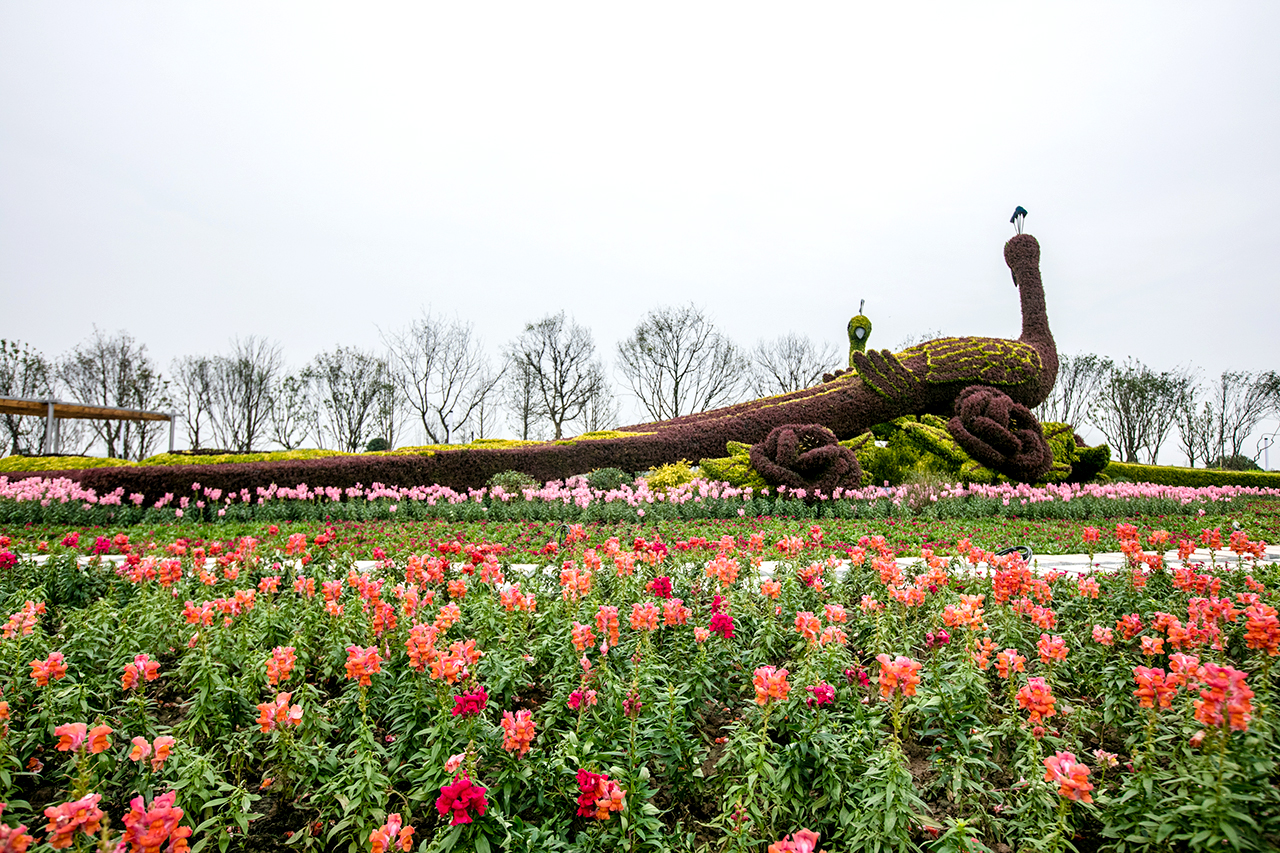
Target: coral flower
{"x": 770, "y": 684}
{"x": 644, "y": 617}
{"x": 71, "y": 736}
{"x": 1037, "y": 700}
{"x": 1223, "y": 687}
{"x": 901, "y": 673}
{"x": 1154, "y": 686}
{"x": 280, "y": 664}
{"x": 148, "y": 830}
{"x": 391, "y": 834}
{"x": 1051, "y": 648}
{"x": 582, "y": 636}
{"x": 98, "y": 741}
{"x": 607, "y": 623}
{"x": 51, "y": 668}
{"x": 517, "y": 731}
{"x": 362, "y": 663}
{"x": 700, "y": 635}
{"x": 1072, "y": 776}
{"x": 66, "y": 819}
{"x": 808, "y": 626}
{"x": 804, "y": 841}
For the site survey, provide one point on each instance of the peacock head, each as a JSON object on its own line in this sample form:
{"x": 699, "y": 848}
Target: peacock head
{"x": 1022, "y": 253}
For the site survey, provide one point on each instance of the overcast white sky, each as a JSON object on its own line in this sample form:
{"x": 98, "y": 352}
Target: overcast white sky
{"x": 314, "y": 172}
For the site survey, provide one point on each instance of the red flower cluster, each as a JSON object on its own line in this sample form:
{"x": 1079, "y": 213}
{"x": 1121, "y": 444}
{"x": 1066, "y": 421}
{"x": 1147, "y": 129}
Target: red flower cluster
{"x": 600, "y": 796}
{"x": 459, "y": 798}
{"x": 470, "y": 704}
{"x": 823, "y": 694}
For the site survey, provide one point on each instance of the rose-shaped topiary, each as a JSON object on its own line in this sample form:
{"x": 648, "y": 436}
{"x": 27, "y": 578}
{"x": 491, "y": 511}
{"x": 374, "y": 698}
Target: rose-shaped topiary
{"x": 806, "y": 456}
{"x": 1001, "y": 434}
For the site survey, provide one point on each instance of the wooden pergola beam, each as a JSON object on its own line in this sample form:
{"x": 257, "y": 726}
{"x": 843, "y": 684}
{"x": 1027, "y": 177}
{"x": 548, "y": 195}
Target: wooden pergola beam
{"x": 53, "y": 411}
{"x": 40, "y": 408}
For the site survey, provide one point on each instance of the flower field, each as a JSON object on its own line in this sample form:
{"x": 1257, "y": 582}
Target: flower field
{"x": 735, "y": 683}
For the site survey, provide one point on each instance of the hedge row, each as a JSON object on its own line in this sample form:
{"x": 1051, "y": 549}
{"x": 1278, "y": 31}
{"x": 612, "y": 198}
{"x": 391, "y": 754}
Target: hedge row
{"x": 1168, "y": 475}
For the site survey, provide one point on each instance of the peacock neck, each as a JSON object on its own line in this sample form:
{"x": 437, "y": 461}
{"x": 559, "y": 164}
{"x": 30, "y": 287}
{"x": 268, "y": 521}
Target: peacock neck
{"x": 1035, "y": 315}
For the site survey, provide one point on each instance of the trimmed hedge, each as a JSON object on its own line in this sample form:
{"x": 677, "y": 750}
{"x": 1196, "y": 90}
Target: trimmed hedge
{"x": 1168, "y": 475}
{"x": 15, "y": 464}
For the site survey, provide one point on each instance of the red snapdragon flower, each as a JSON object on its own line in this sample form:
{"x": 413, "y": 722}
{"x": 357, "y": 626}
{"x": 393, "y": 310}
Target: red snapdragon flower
{"x": 459, "y": 798}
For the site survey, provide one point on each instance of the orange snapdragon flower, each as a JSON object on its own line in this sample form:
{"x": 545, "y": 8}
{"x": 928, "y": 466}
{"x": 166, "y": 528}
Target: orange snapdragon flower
{"x": 518, "y": 731}
{"x": 362, "y": 663}
{"x": 901, "y": 673}
{"x": 1008, "y": 662}
{"x": 1072, "y": 776}
{"x": 770, "y": 684}
{"x": 1154, "y": 686}
{"x": 51, "y": 668}
{"x": 1037, "y": 700}
{"x": 644, "y": 617}
{"x": 1051, "y": 648}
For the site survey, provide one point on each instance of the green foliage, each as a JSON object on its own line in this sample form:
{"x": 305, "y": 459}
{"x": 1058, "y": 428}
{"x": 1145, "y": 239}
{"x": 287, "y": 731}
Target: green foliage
{"x": 1238, "y": 462}
{"x": 607, "y": 479}
{"x": 512, "y": 482}
{"x": 377, "y": 445}
{"x": 670, "y": 475}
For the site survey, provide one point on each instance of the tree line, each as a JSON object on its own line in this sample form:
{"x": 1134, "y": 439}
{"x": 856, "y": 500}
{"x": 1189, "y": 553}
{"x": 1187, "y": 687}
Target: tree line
{"x": 436, "y": 381}
{"x": 1138, "y": 409}
{"x": 434, "y": 377}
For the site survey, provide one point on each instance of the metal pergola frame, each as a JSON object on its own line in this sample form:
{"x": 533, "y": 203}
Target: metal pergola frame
{"x": 55, "y": 410}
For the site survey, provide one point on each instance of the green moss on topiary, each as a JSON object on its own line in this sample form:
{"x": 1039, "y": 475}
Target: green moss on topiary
{"x": 734, "y": 469}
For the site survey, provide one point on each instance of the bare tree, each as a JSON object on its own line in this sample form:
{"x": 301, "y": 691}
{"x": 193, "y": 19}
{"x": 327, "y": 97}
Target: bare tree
{"x": 387, "y": 412}
{"x": 241, "y": 391}
{"x": 521, "y": 400}
{"x": 1238, "y": 403}
{"x": 24, "y": 373}
{"x": 602, "y": 410}
{"x": 117, "y": 372}
{"x": 1137, "y": 407}
{"x": 442, "y": 372}
{"x": 789, "y": 362}
{"x": 676, "y": 363}
{"x": 348, "y": 383}
{"x": 909, "y": 341}
{"x": 194, "y": 377}
{"x": 1196, "y": 429}
{"x": 1075, "y": 392}
{"x": 559, "y": 358}
{"x": 294, "y": 416}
